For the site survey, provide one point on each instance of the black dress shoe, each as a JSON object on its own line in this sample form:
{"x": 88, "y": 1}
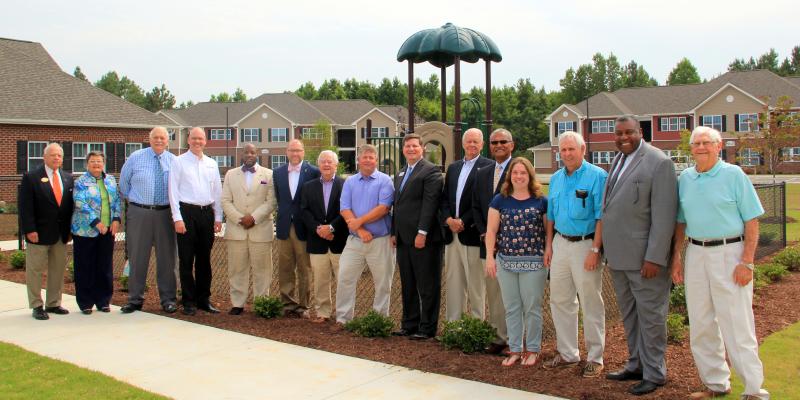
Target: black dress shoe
{"x": 87, "y": 311}
{"x": 169, "y": 308}
{"x": 624, "y": 375}
{"x": 57, "y": 310}
{"x": 420, "y": 336}
{"x": 403, "y": 332}
{"x": 208, "y": 308}
{"x": 236, "y": 310}
{"x": 643, "y": 387}
{"x": 189, "y": 310}
{"x": 39, "y": 314}
{"x": 105, "y": 309}
{"x": 130, "y": 307}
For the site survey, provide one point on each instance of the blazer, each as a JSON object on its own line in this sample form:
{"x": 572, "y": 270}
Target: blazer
{"x": 38, "y": 210}
{"x": 89, "y": 204}
{"x": 257, "y": 200}
{"x": 482, "y": 195}
{"x": 640, "y": 211}
{"x": 314, "y": 215}
{"x": 447, "y": 209}
{"x": 416, "y": 206}
{"x": 289, "y": 212}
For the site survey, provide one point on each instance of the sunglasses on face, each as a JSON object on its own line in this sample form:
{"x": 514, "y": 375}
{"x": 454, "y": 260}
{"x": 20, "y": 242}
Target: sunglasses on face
{"x": 496, "y": 142}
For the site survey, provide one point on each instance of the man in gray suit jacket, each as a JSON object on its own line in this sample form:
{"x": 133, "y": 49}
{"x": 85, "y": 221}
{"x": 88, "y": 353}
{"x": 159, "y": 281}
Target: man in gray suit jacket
{"x": 639, "y": 211}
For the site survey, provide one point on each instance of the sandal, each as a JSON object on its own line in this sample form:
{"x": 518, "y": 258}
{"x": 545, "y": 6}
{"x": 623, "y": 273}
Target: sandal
{"x": 527, "y": 356}
{"x": 512, "y": 358}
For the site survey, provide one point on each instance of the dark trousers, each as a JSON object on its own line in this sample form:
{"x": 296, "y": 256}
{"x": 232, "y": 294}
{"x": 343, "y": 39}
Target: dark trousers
{"x": 194, "y": 253}
{"x": 146, "y": 229}
{"x": 421, "y": 282}
{"x": 94, "y": 278}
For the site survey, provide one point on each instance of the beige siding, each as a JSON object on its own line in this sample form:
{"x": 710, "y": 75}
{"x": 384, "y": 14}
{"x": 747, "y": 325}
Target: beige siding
{"x": 542, "y": 158}
{"x": 379, "y": 119}
{"x": 273, "y": 120}
{"x": 719, "y": 105}
{"x": 560, "y": 117}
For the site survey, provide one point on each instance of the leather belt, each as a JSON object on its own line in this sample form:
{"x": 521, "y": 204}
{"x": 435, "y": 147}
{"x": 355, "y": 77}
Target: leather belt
{"x": 155, "y": 207}
{"x": 716, "y": 242}
{"x": 576, "y": 238}
{"x": 195, "y": 206}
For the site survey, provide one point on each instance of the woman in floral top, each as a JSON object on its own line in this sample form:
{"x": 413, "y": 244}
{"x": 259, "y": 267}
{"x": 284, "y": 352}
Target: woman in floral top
{"x": 515, "y": 235}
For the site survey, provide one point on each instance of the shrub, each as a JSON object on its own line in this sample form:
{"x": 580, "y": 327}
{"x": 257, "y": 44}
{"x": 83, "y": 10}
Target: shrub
{"x": 760, "y": 279}
{"x": 676, "y": 328}
{"x": 267, "y": 306}
{"x": 469, "y": 334}
{"x": 765, "y": 238}
{"x": 773, "y": 272}
{"x": 790, "y": 257}
{"x": 71, "y": 271}
{"x": 677, "y": 299}
{"x": 123, "y": 281}
{"x": 374, "y": 324}
{"x": 18, "y": 259}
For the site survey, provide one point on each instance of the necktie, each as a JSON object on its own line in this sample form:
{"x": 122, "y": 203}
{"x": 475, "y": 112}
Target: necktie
{"x": 613, "y": 180}
{"x": 498, "y": 171}
{"x": 405, "y": 177}
{"x": 249, "y": 169}
{"x": 159, "y": 187}
{"x": 57, "y": 187}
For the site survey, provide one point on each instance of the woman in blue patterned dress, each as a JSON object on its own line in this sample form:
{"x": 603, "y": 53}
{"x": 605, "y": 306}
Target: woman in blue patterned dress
{"x": 94, "y": 224}
{"x": 515, "y": 236}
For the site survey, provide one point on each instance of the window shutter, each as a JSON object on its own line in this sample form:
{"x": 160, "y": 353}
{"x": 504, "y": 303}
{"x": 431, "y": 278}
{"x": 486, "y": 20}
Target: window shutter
{"x": 699, "y": 120}
{"x": 363, "y": 133}
{"x": 259, "y": 134}
{"x": 208, "y": 134}
{"x": 689, "y": 123}
{"x": 67, "y": 146}
{"x": 241, "y": 136}
{"x": 660, "y": 123}
{"x": 575, "y": 126}
{"x": 269, "y": 134}
{"x": 735, "y": 122}
{"x": 145, "y": 145}
{"x": 120, "y": 156}
{"x": 724, "y": 155}
{"x": 22, "y": 156}
{"x": 111, "y": 160}
{"x": 724, "y": 123}
{"x": 760, "y": 159}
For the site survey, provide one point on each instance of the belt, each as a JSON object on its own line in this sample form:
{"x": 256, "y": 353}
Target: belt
{"x": 155, "y": 207}
{"x": 576, "y": 238}
{"x": 716, "y": 242}
{"x": 195, "y": 206}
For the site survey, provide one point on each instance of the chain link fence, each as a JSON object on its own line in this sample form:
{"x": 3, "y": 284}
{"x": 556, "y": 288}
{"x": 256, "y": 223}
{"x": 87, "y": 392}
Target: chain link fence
{"x": 771, "y": 225}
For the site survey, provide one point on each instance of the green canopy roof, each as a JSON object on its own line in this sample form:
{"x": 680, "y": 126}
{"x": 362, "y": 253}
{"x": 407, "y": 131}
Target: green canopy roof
{"x": 440, "y": 46}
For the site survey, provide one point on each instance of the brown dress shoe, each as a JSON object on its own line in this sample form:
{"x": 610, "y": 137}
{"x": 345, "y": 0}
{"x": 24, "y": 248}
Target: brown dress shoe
{"x": 708, "y": 394}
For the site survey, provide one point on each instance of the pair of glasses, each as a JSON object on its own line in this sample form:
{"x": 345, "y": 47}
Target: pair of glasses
{"x": 703, "y": 144}
{"x": 496, "y": 142}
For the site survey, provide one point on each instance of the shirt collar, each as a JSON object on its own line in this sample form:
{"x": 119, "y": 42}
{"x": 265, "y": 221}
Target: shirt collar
{"x": 371, "y": 176}
{"x": 321, "y": 179}
{"x": 712, "y": 172}
{"x": 473, "y": 161}
{"x": 49, "y": 171}
{"x": 412, "y": 166}
{"x": 504, "y": 164}
{"x": 578, "y": 171}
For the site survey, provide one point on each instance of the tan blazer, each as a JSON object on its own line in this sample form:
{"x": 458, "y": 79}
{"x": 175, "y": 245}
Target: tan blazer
{"x": 258, "y": 200}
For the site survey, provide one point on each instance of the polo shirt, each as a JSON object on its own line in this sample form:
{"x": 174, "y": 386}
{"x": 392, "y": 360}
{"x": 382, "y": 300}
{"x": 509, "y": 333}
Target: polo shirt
{"x": 572, "y": 215}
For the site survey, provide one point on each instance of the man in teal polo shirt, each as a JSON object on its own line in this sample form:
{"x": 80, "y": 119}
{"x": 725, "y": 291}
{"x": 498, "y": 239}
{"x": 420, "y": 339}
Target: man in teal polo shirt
{"x": 718, "y": 212}
{"x": 573, "y": 254}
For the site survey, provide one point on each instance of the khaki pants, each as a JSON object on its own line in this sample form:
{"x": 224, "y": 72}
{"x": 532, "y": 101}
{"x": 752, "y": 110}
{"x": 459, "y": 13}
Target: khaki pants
{"x": 464, "y": 280}
{"x": 245, "y": 259}
{"x": 294, "y": 272}
{"x": 497, "y": 311}
{"x": 53, "y": 260}
{"x": 378, "y": 256}
{"x": 325, "y": 268}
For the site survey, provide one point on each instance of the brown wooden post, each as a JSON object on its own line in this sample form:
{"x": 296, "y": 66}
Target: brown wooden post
{"x": 444, "y": 94}
{"x": 488, "y": 96}
{"x": 457, "y": 130}
{"x": 410, "y": 96}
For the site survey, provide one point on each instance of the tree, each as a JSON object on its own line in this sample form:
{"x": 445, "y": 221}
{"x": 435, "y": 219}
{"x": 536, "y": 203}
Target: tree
{"x": 392, "y": 92}
{"x": 318, "y": 139}
{"x": 779, "y": 128}
{"x": 186, "y": 104}
{"x": 604, "y": 75}
{"x": 306, "y": 91}
{"x": 79, "y": 74}
{"x": 122, "y": 87}
{"x": 770, "y": 61}
{"x": 159, "y": 98}
{"x": 331, "y": 89}
{"x": 222, "y": 97}
{"x": 683, "y": 73}
{"x": 635, "y": 75}
{"x": 239, "y": 96}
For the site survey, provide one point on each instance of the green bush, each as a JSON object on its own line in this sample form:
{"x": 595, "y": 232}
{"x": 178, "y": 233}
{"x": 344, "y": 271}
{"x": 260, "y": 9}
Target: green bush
{"x": 773, "y": 272}
{"x": 374, "y": 324}
{"x": 123, "y": 282}
{"x": 18, "y": 259}
{"x": 765, "y": 238}
{"x": 790, "y": 257}
{"x": 71, "y": 271}
{"x": 469, "y": 334}
{"x": 760, "y": 279}
{"x": 267, "y": 306}
{"x": 676, "y": 328}
{"x": 677, "y": 299}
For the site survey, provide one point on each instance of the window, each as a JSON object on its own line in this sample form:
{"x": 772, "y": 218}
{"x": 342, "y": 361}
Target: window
{"x": 673, "y": 124}
{"x": 558, "y": 160}
{"x": 277, "y": 160}
{"x": 172, "y": 133}
{"x": 603, "y": 157}
{"x": 223, "y": 161}
{"x": 278, "y": 134}
{"x": 35, "y": 154}
{"x": 713, "y": 121}
{"x": 791, "y": 154}
{"x": 748, "y": 122}
{"x": 603, "y": 126}
{"x": 220, "y": 134}
{"x": 250, "y": 134}
{"x": 380, "y": 132}
{"x": 677, "y": 156}
{"x": 79, "y": 152}
{"x": 749, "y": 157}
{"x": 564, "y": 126}
{"x": 130, "y": 148}
{"x": 312, "y": 134}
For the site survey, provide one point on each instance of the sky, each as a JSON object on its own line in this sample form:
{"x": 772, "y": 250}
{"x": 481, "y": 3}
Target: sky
{"x": 201, "y": 47}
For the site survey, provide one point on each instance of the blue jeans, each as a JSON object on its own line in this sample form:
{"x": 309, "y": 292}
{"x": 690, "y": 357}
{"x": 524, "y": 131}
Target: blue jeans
{"x": 522, "y": 296}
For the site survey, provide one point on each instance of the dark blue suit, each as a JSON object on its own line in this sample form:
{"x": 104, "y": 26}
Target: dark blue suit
{"x": 289, "y": 211}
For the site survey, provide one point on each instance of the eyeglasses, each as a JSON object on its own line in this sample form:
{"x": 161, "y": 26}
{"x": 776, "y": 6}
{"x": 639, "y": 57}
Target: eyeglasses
{"x": 496, "y": 142}
{"x": 704, "y": 143}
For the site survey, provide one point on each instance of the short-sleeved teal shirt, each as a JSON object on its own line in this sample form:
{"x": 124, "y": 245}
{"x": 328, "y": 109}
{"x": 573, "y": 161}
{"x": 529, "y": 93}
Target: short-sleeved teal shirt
{"x": 574, "y": 216}
{"x": 716, "y": 204}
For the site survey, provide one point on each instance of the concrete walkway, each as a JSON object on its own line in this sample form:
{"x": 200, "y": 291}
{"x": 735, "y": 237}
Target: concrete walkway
{"x": 184, "y": 360}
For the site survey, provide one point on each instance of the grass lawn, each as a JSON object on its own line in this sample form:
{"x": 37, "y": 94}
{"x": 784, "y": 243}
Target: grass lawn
{"x": 27, "y": 375}
{"x": 793, "y": 211}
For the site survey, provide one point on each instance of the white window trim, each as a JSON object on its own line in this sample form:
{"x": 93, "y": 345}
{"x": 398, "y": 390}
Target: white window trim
{"x": 227, "y": 161}
{"x": 250, "y": 135}
{"x": 791, "y": 154}
{"x": 559, "y": 125}
{"x": 312, "y": 134}
{"x": 276, "y": 160}
{"x": 672, "y": 124}
{"x": 559, "y": 163}
{"x": 746, "y": 157}
{"x": 219, "y": 134}
{"x": 603, "y": 157}
{"x": 131, "y": 144}
{"x": 747, "y": 122}
{"x": 35, "y": 158}
{"x": 82, "y": 158}
{"x": 712, "y": 124}
{"x": 379, "y": 132}
{"x": 274, "y": 137}
{"x": 603, "y": 126}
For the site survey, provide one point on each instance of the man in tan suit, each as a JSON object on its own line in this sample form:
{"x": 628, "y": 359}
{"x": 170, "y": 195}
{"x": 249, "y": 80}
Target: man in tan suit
{"x": 248, "y": 199}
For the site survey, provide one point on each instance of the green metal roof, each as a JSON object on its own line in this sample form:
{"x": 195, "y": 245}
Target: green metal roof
{"x": 440, "y": 46}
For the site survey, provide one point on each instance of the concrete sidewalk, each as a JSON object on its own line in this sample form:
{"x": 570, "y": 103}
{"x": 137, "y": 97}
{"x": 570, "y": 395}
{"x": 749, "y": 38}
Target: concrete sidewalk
{"x": 184, "y": 360}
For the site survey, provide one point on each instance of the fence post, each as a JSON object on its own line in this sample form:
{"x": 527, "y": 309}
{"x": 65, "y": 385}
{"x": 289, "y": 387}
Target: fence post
{"x": 784, "y": 210}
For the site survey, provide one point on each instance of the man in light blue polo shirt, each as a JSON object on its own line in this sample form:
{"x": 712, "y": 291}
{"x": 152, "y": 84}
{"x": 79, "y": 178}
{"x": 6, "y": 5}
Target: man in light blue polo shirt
{"x": 718, "y": 212}
{"x": 573, "y": 254}
{"x": 365, "y": 203}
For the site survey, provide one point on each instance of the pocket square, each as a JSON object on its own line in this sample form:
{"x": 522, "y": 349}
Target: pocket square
{"x": 264, "y": 182}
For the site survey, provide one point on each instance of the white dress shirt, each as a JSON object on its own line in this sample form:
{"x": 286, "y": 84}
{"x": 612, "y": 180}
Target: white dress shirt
{"x": 195, "y": 181}
{"x": 462, "y": 180}
{"x": 294, "y": 178}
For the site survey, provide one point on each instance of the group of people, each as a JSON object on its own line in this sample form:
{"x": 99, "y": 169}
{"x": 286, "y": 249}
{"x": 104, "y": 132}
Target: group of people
{"x": 503, "y": 240}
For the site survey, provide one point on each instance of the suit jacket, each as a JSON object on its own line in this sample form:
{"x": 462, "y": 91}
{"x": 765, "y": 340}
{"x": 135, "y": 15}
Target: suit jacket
{"x": 416, "y": 206}
{"x": 447, "y": 209}
{"x": 314, "y": 215}
{"x": 257, "y": 200}
{"x": 289, "y": 212}
{"x": 38, "y": 210}
{"x": 482, "y": 195}
{"x": 639, "y": 213}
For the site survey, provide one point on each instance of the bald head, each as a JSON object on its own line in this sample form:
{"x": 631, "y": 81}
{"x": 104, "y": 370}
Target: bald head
{"x": 295, "y": 152}
{"x": 159, "y": 138}
{"x": 197, "y": 141}
{"x": 472, "y": 141}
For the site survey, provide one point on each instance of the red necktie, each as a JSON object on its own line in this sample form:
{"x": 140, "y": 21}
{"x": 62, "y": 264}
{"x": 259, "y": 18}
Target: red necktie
{"x": 57, "y": 187}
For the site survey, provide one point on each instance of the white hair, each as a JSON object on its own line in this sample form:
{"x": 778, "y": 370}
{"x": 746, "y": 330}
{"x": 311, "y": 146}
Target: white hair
{"x": 472, "y": 130}
{"x": 54, "y": 145}
{"x": 571, "y": 135}
{"x": 712, "y": 133}
{"x": 328, "y": 153}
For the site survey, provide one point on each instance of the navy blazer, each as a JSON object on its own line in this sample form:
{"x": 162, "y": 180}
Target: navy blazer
{"x": 38, "y": 210}
{"x": 469, "y": 236}
{"x": 314, "y": 215}
{"x": 289, "y": 212}
{"x": 482, "y": 196}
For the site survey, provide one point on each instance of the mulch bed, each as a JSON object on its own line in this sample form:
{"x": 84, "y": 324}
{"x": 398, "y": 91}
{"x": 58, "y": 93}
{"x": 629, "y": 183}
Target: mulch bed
{"x": 773, "y": 308}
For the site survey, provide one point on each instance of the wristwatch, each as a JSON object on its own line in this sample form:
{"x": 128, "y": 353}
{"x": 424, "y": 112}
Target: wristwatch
{"x": 330, "y": 228}
{"x": 595, "y": 250}
{"x": 749, "y": 266}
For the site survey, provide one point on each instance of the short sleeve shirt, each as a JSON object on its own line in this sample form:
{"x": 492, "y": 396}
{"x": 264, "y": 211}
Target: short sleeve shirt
{"x": 576, "y": 200}
{"x": 521, "y": 231}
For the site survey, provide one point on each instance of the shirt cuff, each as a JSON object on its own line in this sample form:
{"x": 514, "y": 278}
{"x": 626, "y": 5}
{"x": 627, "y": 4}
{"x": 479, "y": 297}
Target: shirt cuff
{"x": 421, "y": 232}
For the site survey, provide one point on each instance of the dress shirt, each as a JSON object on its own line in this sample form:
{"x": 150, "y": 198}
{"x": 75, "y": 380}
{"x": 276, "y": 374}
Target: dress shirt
{"x": 136, "y": 178}
{"x": 327, "y": 187}
{"x": 628, "y": 160}
{"x": 571, "y": 215}
{"x": 361, "y": 194}
{"x": 294, "y": 177}
{"x": 462, "y": 180}
{"x": 50, "y": 173}
{"x": 409, "y": 170}
{"x": 248, "y": 178}
{"x": 195, "y": 181}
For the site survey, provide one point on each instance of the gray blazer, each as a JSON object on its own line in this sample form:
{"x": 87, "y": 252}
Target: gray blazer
{"x": 639, "y": 213}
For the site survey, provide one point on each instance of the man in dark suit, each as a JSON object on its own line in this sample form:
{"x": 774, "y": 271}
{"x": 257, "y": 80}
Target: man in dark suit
{"x": 464, "y": 276}
{"x": 293, "y": 261}
{"x": 418, "y": 238}
{"x": 327, "y": 230}
{"x": 45, "y": 213}
{"x": 487, "y": 185}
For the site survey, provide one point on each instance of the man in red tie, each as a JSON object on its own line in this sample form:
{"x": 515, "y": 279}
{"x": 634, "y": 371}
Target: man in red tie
{"x": 45, "y": 210}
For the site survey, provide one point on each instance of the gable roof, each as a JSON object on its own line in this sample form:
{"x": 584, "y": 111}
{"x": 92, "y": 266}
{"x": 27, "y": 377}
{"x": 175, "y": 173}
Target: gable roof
{"x": 400, "y": 114}
{"x": 343, "y": 112}
{"x": 34, "y": 90}
{"x": 289, "y": 105}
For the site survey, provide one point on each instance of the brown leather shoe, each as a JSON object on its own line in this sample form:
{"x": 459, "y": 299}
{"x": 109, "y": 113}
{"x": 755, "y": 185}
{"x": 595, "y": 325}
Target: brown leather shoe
{"x": 708, "y": 394}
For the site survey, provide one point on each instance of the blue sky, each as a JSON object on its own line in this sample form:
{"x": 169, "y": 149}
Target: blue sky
{"x": 201, "y": 47}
